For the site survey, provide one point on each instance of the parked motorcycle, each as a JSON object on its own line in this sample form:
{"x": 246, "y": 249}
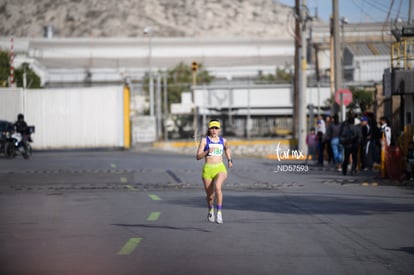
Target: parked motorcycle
{"x": 18, "y": 143}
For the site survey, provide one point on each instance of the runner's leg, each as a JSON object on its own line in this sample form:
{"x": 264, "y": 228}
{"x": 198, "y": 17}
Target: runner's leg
{"x": 209, "y": 188}
{"x": 219, "y": 180}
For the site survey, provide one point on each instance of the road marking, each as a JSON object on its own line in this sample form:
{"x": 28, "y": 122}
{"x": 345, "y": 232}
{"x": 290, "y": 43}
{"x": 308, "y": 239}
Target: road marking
{"x": 174, "y": 176}
{"x": 113, "y": 165}
{"x": 129, "y": 246}
{"x": 375, "y": 184}
{"x": 123, "y": 179}
{"x": 154, "y": 197}
{"x": 131, "y": 188}
{"x": 154, "y": 216}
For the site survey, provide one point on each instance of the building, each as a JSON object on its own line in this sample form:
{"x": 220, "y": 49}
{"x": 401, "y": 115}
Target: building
{"x": 399, "y": 81}
{"x": 84, "y": 62}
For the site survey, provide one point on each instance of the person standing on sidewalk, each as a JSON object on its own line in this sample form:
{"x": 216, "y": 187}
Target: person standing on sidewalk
{"x": 214, "y": 174}
{"x": 332, "y": 134}
{"x": 320, "y": 132}
{"x": 312, "y": 143}
{"x": 375, "y": 140}
{"x": 350, "y": 137}
{"x": 386, "y": 130}
{"x": 365, "y": 152}
{"x": 329, "y": 152}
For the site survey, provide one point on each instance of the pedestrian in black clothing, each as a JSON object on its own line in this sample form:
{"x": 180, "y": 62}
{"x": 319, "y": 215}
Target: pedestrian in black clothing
{"x": 350, "y": 138}
{"x": 330, "y": 153}
{"x": 20, "y": 125}
{"x": 320, "y": 132}
{"x": 375, "y": 139}
{"x": 366, "y": 139}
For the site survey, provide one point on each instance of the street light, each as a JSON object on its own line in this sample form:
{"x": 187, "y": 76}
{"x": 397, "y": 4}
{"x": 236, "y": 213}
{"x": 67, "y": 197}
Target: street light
{"x": 148, "y": 32}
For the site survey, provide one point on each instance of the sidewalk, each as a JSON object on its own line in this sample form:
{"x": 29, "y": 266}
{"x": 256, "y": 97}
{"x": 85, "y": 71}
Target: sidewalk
{"x": 372, "y": 177}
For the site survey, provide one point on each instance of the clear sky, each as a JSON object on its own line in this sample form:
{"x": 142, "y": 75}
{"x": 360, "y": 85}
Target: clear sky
{"x": 358, "y": 10}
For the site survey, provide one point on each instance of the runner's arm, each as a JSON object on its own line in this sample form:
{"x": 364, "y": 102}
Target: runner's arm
{"x": 227, "y": 152}
{"x": 200, "y": 151}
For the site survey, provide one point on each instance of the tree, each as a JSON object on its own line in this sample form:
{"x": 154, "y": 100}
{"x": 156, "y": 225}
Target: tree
{"x": 281, "y": 76}
{"x": 179, "y": 80}
{"x": 361, "y": 97}
{"x": 4, "y": 68}
{"x": 32, "y": 79}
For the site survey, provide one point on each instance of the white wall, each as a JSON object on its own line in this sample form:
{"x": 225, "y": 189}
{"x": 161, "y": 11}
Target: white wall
{"x": 68, "y": 118}
{"x": 276, "y": 100}
{"x": 113, "y": 59}
{"x": 370, "y": 68}
{"x": 10, "y": 103}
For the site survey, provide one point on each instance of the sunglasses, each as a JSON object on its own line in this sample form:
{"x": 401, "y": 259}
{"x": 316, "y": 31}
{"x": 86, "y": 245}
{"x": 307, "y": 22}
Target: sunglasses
{"x": 215, "y": 128}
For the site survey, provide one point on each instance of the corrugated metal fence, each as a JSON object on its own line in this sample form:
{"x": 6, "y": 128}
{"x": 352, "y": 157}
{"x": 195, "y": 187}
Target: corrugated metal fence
{"x": 68, "y": 118}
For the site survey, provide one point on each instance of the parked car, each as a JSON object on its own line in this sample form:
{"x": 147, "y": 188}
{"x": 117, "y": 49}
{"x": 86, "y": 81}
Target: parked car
{"x": 6, "y": 130}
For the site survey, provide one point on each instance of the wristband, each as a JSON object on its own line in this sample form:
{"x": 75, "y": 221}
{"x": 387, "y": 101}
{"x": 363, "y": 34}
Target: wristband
{"x": 230, "y": 160}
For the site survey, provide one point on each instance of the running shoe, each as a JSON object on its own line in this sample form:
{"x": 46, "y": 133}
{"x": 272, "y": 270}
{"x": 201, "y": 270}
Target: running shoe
{"x": 219, "y": 217}
{"x": 210, "y": 215}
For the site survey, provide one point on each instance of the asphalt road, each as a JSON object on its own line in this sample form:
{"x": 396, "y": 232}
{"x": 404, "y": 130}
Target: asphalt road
{"x": 121, "y": 212}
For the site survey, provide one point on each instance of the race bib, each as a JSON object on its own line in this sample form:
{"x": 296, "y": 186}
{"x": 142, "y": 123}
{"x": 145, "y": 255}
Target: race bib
{"x": 217, "y": 149}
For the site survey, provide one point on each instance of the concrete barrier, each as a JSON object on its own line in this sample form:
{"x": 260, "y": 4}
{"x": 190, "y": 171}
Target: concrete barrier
{"x": 267, "y": 148}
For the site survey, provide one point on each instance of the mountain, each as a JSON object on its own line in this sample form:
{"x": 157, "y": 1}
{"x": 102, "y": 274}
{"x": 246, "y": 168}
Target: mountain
{"x": 128, "y": 18}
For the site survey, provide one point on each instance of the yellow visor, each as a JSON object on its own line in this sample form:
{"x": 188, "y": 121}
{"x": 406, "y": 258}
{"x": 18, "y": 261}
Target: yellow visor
{"x": 214, "y": 124}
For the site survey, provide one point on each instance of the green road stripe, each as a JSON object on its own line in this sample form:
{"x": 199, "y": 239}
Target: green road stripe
{"x": 123, "y": 179}
{"x": 154, "y": 197}
{"x": 129, "y": 246}
{"x": 131, "y": 188}
{"x": 113, "y": 165}
{"x": 154, "y": 216}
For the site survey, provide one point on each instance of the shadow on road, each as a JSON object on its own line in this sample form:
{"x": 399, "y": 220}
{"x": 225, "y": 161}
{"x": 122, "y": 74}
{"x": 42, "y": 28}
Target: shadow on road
{"x": 307, "y": 204}
{"x": 162, "y": 227}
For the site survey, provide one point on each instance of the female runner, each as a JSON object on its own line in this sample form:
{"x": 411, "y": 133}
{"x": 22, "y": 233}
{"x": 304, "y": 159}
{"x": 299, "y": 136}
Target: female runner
{"x": 211, "y": 148}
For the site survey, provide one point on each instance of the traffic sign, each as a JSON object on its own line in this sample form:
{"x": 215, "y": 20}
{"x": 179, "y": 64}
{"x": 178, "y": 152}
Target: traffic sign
{"x": 346, "y": 96}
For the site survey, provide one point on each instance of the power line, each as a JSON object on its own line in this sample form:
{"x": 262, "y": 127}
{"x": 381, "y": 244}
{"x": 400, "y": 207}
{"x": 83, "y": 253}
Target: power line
{"x": 389, "y": 11}
{"x": 387, "y": 19}
{"x": 394, "y": 13}
{"x": 362, "y": 10}
{"x": 378, "y": 6}
{"x": 399, "y": 9}
{"x": 369, "y": 8}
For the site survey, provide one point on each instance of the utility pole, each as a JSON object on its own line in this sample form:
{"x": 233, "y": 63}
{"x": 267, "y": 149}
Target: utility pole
{"x": 165, "y": 116}
{"x": 334, "y": 107}
{"x": 337, "y": 55}
{"x": 148, "y": 31}
{"x": 158, "y": 110}
{"x": 302, "y": 80}
{"x": 296, "y": 73}
{"x": 318, "y": 76}
{"x": 194, "y": 68}
{"x": 11, "y": 77}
